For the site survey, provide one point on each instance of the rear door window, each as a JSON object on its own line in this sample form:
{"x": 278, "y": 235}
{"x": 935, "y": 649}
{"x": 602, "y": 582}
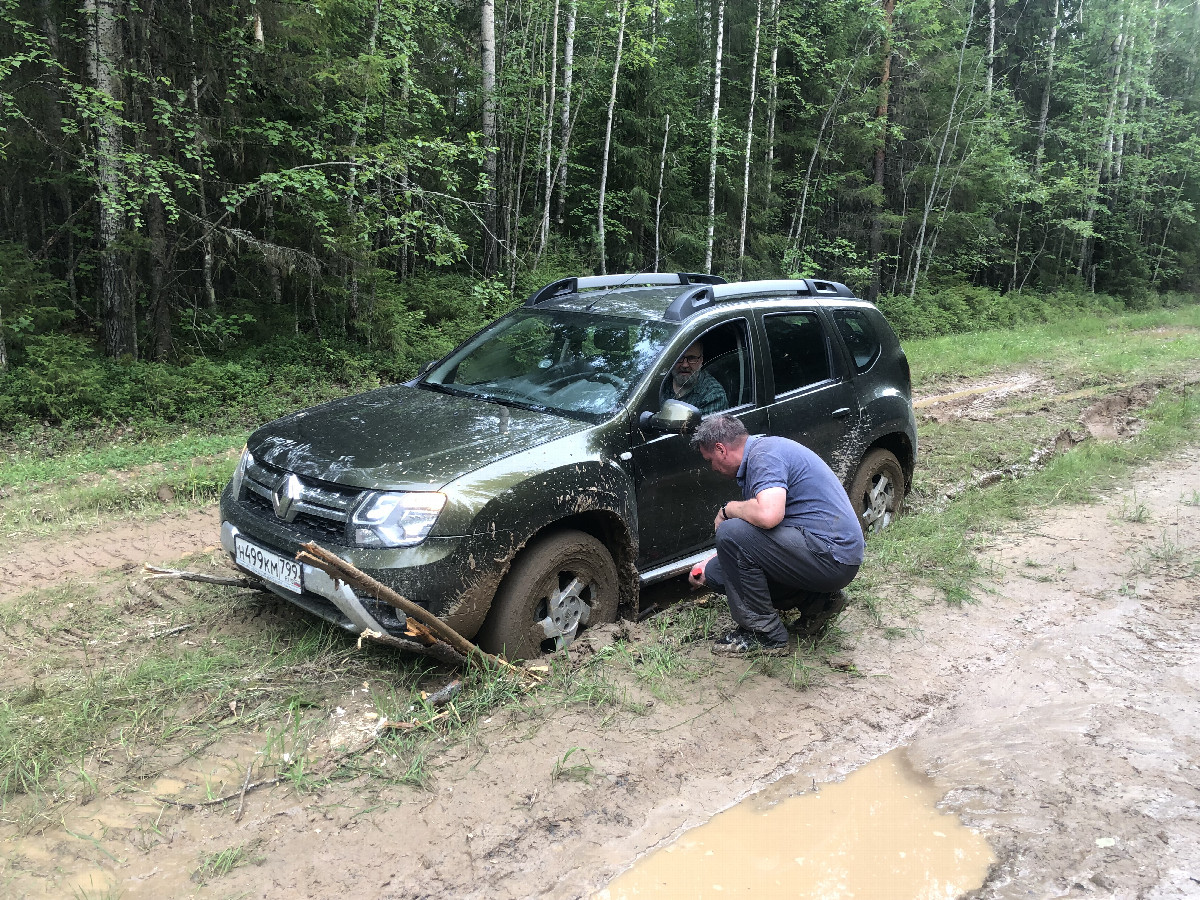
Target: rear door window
{"x": 860, "y": 336}
{"x": 799, "y": 351}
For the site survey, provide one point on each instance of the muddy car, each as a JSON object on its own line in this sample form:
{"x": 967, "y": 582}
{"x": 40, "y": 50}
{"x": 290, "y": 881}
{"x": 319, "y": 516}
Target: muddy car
{"x": 527, "y": 485}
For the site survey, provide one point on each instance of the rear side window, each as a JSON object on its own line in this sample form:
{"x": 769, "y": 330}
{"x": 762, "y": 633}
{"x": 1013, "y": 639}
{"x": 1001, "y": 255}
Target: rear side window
{"x": 798, "y": 350}
{"x": 859, "y": 335}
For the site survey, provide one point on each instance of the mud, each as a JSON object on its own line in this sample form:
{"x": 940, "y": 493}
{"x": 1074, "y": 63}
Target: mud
{"x": 1058, "y": 717}
{"x": 875, "y": 836}
{"x": 96, "y": 553}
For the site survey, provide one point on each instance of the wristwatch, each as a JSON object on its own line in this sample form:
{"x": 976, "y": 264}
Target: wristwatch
{"x": 724, "y": 514}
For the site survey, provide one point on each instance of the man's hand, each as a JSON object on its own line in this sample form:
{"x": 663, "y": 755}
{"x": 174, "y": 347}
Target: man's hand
{"x": 696, "y": 576}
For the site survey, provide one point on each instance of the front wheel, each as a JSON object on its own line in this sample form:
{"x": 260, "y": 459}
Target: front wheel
{"x": 877, "y": 492}
{"x": 558, "y": 586}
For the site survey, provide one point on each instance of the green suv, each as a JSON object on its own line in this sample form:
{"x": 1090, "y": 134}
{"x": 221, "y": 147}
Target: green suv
{"x": 527, "y": 485}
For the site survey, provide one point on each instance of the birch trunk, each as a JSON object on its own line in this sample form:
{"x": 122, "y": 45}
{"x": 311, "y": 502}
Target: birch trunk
{"x": 937, "y": 170}
{"x": 103, "y": 52}
{"x": 662, "y": 171}
{"x": 749, "y": 138}
{"x": 565, "y": 128}
{"x": 1104, "y": 163}
{"x": 612, "y": 106}
{"x": 712, "y": 147}
{"x": 1045, "y": 113}
{"x": 991, "y": 47}
{"x": 488, "y": 59}
{"x": 772, "y": 101}
{"x": 880, "y": 162}
{"x": 551, "y": 103}
{"x": 206, "y": 231}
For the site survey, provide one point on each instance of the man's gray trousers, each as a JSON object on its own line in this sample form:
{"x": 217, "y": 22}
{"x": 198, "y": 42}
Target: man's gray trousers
{"x": 762, "y": 571}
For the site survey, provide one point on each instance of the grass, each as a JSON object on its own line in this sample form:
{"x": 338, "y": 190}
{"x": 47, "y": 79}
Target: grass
{"x": 1092, "y": 349}
{"x": 220, "y": 864}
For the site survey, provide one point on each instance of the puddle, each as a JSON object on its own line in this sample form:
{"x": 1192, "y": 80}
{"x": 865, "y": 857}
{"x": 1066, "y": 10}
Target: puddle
{"x": 878, "y": 834}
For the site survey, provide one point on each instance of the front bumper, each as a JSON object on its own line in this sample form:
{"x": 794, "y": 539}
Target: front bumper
{"x": 452, "y": 577}
{"x": 341, "y": 605}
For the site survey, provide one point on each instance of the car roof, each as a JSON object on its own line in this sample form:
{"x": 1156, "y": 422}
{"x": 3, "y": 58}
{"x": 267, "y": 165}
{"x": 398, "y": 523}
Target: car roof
{"x": 675, "y": 297}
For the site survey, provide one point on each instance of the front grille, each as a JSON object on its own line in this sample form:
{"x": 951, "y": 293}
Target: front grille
{"x": 318, "y": 510}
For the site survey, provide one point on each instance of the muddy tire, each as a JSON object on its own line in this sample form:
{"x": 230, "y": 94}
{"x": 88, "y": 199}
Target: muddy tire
{"x": 559, "y": 585}
{"x": 877, "y": 492}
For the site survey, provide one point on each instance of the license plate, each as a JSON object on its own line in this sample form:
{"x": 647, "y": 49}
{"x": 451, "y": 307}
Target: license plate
{"x": 273, "y": 567}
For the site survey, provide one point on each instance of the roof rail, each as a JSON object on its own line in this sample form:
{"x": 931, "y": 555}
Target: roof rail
{"x": 805, "y": 287}
{"x": 691, "y": 302}
{"x": 591, "y": 282}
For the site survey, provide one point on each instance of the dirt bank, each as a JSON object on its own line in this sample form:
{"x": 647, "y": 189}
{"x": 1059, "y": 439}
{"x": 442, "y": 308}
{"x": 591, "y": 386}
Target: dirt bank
{"x": 1058, "y": 715}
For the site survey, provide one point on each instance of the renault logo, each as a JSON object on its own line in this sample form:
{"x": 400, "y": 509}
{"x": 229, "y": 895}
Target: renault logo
{"x": 285, "y": 497}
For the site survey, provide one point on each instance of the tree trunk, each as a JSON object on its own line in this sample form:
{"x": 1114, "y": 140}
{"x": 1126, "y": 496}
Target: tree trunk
{"x": 103, "y": 51}
{"x": 160, "y": 305}
{"x": 565, "y": 128}
{"x": 991, "y": 47}
{"x": 662, "y": 171}
{"x": 491, "y": 252}
{"x": 1045, "y": 113}
{"x": 881, "y": 128}
{"x": 749, "y": 137}
{"x": 206, "y": 233}
{"x": 612, "y": 105}
{"x": 551, "y": 103}
{"x": 712, "y": 147}
{"x": 937, "y": 170}
{"x": 772, "y": 101}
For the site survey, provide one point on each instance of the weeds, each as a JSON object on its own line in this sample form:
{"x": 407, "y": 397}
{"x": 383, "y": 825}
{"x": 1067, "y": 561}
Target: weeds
{"x": 564, "y": 770}
{"x": 1133, "y": 510}
{"x": 218, "y": 865}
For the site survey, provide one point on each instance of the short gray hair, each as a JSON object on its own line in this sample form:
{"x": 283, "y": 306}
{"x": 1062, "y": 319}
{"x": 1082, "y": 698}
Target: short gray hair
{"x": 719, "y": 430}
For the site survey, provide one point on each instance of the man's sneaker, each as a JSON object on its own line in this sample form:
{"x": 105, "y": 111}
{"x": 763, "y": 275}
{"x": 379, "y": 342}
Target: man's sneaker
{"x": 819, "y": 613}
{"x": 740, "y": 642}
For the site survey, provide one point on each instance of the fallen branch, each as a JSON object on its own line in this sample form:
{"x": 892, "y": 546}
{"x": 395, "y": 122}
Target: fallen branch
{"x": 237, "y": 816}
{"x": 158, "y": 572}
{"x": 246, "y": 788}
{"x": 337, "y": 568}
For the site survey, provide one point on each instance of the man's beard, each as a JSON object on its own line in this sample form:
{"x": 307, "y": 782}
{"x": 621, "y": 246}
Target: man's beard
{"x": 684, "y": 383}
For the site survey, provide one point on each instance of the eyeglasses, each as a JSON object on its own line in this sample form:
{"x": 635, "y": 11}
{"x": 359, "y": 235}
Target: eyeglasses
{"x": 692, "y": 358}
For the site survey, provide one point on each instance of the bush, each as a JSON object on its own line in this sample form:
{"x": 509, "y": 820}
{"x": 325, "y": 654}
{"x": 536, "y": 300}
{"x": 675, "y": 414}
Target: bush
{"x": 959, "y": 308}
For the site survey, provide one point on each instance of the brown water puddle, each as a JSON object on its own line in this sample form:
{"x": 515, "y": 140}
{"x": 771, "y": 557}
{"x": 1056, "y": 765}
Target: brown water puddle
{"x": 878, "y": 834}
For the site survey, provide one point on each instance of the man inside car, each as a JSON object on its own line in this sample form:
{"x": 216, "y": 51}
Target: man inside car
{"x": 689, "y": 383}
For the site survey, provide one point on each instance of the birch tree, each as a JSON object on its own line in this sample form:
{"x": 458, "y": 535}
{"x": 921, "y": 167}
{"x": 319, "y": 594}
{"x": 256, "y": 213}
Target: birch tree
{"x": 749, "y": 135}
{"x": 608, "y": 127}
{"x": 714, "y": 131}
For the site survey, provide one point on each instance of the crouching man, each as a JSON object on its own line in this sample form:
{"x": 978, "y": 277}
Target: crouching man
{"x": 793, "y": 538}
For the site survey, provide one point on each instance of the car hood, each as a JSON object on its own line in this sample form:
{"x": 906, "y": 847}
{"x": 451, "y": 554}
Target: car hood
{"x": 401, "y": 438}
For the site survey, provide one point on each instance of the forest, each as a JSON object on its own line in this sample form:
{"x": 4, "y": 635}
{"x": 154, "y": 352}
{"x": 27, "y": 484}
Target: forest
{"x": 204, "y": 200}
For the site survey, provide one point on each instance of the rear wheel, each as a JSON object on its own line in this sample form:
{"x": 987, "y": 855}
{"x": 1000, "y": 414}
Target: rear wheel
{"x": 877, "y": 492}
{"x": 559, "y": 585}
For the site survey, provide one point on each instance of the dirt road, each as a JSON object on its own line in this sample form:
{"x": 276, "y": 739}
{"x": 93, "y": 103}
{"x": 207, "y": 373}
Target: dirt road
{"x": 1059, "y": 716}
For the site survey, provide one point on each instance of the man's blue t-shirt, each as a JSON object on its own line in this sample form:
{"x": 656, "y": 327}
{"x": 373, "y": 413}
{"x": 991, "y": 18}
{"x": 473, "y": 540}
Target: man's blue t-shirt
{"x": 816, "y": 500}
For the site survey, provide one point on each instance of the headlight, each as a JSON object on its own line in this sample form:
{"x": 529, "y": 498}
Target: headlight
{"x": 396, "y": 519}
{"x": 235, "y": 486}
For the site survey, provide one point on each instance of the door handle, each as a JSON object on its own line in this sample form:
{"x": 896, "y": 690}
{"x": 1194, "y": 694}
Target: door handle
{"x": 841, "y": 413}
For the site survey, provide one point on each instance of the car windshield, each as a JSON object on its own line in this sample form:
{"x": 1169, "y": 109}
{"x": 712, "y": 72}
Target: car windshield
{"x": 573, "y": 363}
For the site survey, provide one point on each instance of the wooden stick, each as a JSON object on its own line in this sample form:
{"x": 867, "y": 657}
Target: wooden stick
{"x": 158, "y": 572}
{"x": 337, "y": 568}
{"x": 237, "y": 816}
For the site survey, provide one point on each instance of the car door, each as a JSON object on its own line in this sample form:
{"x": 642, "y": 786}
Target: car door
{"x": 811, "y": 398}
{"x": 678, "y": 494}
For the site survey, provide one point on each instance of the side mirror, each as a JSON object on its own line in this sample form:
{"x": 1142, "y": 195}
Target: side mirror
{"x": 675, "y": 417}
